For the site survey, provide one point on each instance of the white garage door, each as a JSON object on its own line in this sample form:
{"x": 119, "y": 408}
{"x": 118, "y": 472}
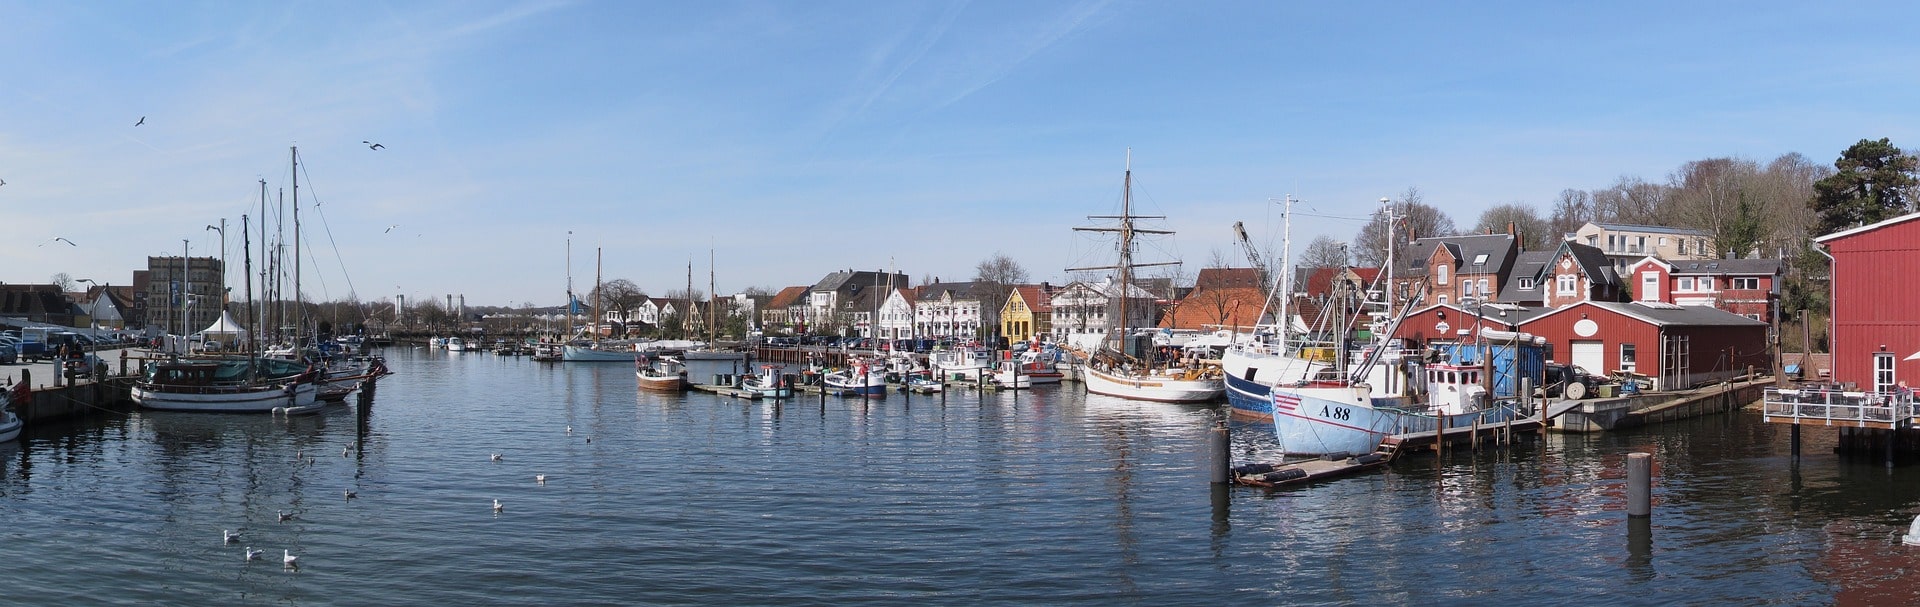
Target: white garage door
{"x": 1590, "y": 355}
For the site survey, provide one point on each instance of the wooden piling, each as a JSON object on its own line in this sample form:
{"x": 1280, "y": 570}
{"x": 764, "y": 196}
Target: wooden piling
{"x": 1639, "y": 484}
{"x": 1219, "y": 447}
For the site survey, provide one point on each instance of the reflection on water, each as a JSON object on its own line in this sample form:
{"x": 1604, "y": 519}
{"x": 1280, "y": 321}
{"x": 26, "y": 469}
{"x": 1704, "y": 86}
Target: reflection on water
{"x": 1044, "y": 496}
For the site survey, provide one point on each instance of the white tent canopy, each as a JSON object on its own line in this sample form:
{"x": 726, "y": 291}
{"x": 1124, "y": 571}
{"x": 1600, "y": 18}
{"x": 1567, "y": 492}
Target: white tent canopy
{"x": 225, "y": 326}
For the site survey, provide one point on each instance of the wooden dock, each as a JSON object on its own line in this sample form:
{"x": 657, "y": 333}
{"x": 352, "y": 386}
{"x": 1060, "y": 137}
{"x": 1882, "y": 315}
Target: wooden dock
{"x": 1258, "y": 475}
{"x": 728, "y": 391}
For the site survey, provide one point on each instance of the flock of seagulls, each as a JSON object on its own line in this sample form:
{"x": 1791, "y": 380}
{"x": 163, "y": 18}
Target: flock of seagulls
{"x": 143, "y": 120}
{"x": 289, "y": 560}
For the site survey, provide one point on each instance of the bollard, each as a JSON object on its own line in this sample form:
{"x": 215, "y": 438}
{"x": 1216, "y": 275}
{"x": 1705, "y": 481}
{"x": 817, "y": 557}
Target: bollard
{"x": 1218, "y": 445}
{"x": 1639, "y": 484}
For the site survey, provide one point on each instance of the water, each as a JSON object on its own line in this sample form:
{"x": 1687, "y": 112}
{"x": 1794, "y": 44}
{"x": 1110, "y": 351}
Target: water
{"x": 1047, "y": 497}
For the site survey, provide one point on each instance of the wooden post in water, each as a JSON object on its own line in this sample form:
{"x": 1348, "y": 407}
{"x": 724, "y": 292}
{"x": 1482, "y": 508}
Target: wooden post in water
{"x": 1220, "y": 448}
{"x": 1794, "y": 441}
{"x": 1639, "y": 484}
{"x": 1475, "y": 441}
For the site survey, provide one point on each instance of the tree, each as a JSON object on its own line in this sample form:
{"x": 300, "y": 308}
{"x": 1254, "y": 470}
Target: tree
{"x": 1630, "y": 200}
{"x": 1873, "y": 181}
{"x": 1219, "y": 259}
{"x": 1741, "y": 233}
{"x": 998, "y": 274}
{"x": 1572, "y": 209}
{"x": 620, "y": 295}
{"x": 1528, "y": 228}
{"x": 61, "y": 280}
{"x": 1324, "y": 252}
{"x": 1414, "y": 219}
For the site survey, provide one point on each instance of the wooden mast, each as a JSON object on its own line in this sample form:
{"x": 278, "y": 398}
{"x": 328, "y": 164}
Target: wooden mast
{"x": 1127, "y": 232}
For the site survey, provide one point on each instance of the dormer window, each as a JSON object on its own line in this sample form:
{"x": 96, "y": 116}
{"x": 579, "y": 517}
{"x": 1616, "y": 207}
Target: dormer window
{"x": 1526, "y": 284}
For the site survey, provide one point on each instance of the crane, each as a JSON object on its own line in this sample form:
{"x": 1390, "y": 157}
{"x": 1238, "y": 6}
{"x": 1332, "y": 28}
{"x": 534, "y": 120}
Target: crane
{"x": 1253, "y": 255}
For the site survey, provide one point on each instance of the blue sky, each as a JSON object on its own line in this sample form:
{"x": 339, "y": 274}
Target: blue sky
{"x": 795, "y": 138}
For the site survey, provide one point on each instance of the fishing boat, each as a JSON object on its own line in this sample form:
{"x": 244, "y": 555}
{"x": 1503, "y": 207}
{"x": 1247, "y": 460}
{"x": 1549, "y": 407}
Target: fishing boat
{"x": 768, "y": 383}
{"x": 10, "y": 423}
{"x": 1131, "y": 369}
{"x": 859, "y": 380}
{"x": 660, "y": 373}
{"x": 961, "y": 363}
{"x": 1030, "y": 369}
{"x": 256, "y": 385}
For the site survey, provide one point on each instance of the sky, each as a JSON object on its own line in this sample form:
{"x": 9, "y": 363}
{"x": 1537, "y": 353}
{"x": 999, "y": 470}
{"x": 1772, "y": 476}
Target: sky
{"x": 785, "y": 140}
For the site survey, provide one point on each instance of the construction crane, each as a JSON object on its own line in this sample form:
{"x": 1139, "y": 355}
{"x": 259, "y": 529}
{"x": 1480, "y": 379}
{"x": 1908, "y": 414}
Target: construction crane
{"x": 1253, "y": 255}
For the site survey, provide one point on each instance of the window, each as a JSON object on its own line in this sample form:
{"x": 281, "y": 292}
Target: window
{"x": 1626, "y": 357}
{"x": 1743, "y": 283}
{"x": 1883, "y": 377}
{"x": 1564, "y": 284}
{"x": 1526, "y": 284}
{"x": 1686, "y": 284}
{"x": 1706, "y": 283}
{"x": 1612, "y": 245}
{"x": 1663, "y": 241}
{"x": 1440, "y": 272}
{"x": 1443, "y": 299}
{"x": 1683, "y": 246}
{"x": 1466, "y": 289}
{"x": 1639, "y": 243}
{"x": 1483, "y": 287}
{"x": 1649, "y": 286}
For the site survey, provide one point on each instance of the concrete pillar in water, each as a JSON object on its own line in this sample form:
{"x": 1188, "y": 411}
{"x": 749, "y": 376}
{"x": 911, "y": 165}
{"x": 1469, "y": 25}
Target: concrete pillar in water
{"x": 1219, "y": 447}
{"x": 1639, "y": 484}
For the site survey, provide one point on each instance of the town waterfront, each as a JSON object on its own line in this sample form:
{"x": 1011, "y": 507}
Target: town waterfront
{"x": 1042, "y": 497}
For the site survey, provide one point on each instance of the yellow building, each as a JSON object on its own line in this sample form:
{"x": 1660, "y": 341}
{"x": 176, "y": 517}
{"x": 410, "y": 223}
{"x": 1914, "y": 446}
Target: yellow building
{"x": 1021, "y": 321}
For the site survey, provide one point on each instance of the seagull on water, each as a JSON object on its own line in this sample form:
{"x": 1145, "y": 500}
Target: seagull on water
{"x": 540, "y": 478}
{"x": 254, "y": 555}
{"x": 569, "y": 429}
{"x": 344, "y": 451}
{"x": 497, "y": 507}
{"x": 496, "y": 457}
{"x": 229, "y": 537}
{"x": 143, "y": 120}
{"x": 284, "y": 517}
{"x": 372, "y": 145}
{"x": 287, "y": 559}
{"x": 350, "y": 494}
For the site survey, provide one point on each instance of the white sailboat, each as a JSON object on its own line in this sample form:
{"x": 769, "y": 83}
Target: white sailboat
{"x": 1124, "y": 370}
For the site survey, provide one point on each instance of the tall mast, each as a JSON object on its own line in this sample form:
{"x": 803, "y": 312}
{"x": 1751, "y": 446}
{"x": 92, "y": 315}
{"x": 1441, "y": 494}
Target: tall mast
{"x": 686, "y": 318}
{"x": 186, "y": 289}
{"x": 1391, "y": 242}
{"x": 260, "y": 306}
{"x": 1127, "y": 231}
{"x": 570, "y": 297}
{"x": 595, "y": 308}
{"x": 713, "y": 288}
{"x": 299, "y": 331}
{"x": 1285, "y": 320}
{"x": 246, "y": 252}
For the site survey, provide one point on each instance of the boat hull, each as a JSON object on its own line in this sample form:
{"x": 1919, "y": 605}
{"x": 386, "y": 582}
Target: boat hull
{"x": 248, "y": 399}
{"x": 1249, "y": 401}
{"x": 1153, "y": 388}
{"x": 1318, "y": 421}
{"x": 661, "y": 383}
{"x": 576, "y": 354}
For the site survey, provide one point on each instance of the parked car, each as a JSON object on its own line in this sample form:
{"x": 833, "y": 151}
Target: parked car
{"x": 1572, "y": 380}
{"x": 8, "y": 354}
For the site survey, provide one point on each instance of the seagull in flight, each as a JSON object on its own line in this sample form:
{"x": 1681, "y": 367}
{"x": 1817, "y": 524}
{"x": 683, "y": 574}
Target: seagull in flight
{"x": 391, "y": 227}
{"x": 372, "y": 145}
{"x": 143, "y": 120}
{"x": 61, "y": 239}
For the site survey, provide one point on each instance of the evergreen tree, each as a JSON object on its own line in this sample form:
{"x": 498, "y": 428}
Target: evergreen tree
{"x": 1874, "y": 181}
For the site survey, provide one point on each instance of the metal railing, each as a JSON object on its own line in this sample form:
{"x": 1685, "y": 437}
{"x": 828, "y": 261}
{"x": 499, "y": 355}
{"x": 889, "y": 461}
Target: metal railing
{"x": 1838, "y": 406}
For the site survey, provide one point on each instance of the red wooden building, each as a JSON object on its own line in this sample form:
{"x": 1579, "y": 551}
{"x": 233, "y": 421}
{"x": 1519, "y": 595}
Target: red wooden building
{"x": 1876, "y": 315}
{"x": 1678, "y": 346}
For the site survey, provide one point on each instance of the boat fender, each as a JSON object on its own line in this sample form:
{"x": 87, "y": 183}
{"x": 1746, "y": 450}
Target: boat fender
{"x": 1251, "y": 469}
{"x": 1336, "y": 456}
{"x": 1370, "y": 458}
{"x": 1281, "y": 476}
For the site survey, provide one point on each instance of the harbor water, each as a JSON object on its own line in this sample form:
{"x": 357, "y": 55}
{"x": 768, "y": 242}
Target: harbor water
{"x": 1048, "y": 496}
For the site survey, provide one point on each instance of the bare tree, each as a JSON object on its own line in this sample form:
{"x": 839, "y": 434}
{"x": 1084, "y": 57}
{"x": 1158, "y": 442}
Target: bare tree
{"x": 1631, "y": 200}
{"x": 998, "y": 274}
{"x": 1415, "y": 219}
{"x": 1572, "y": 209}
{"x": 1324, "y": 252}
{"x": 1528, "y": 228}
{"x": 620, "y": 295}
{"x": 1219, "y": 259}
{"x": 61, "y": 280}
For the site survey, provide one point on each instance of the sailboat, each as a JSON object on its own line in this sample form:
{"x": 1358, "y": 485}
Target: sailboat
{"x": 1128, "y": 369}
{"x": 595, "y": 352}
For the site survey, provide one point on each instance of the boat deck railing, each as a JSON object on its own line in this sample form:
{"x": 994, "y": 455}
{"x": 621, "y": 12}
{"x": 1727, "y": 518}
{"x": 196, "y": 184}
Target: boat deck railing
{"x": 1816, "y": 406}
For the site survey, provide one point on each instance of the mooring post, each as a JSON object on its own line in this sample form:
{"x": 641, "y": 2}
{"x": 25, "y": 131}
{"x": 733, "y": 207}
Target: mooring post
{"x": 1639, "y": 484}
{"x": 1219, "y": 446}
{"x": 1794, "y": 440}
{"x": 1892, "y": 432}
{"x": 1475, "y": 441}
